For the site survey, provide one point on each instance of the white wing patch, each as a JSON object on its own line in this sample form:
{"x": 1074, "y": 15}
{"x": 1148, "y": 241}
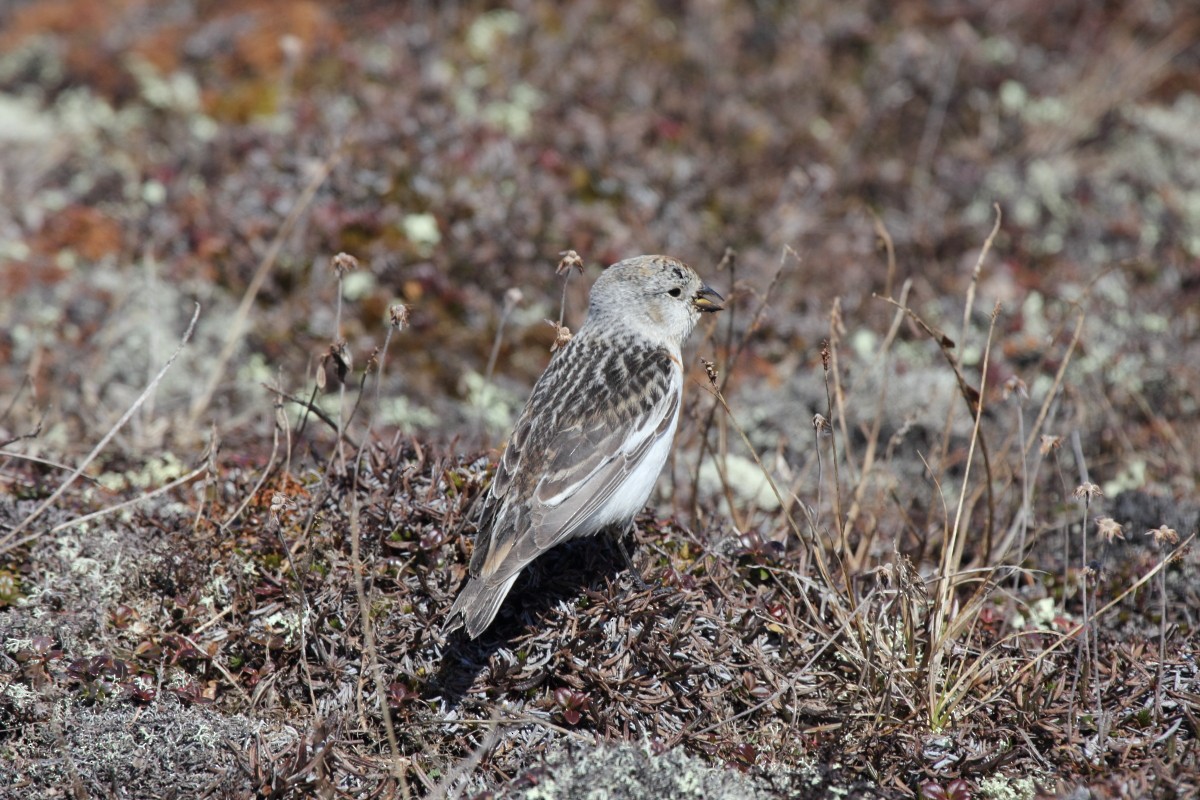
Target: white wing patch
{"x": 619, "y": 482}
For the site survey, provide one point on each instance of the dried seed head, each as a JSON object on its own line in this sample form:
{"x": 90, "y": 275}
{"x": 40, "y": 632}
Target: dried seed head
{"x": 821, "y": 425}
{"x": 373, "y": 361}
{"x": 1050, "y": 443}
{"x": 710, "y": 369}
{"x": 1164, "y": 536}
{"x": 512, "y": 299}
{"x": 339, "y": 354}
{"x": 343, "y": 263}
{"x": 1087, "y": 491}
{"x": 1109, "y": 528}
{"x": 562, "y": 335}
{"x": 825, "y": 354}
{"x": 1015, "y": 386}
{"x": 569, "y": 259}
{"x": 398, "y": 316}
{"x": 280, "y": 502}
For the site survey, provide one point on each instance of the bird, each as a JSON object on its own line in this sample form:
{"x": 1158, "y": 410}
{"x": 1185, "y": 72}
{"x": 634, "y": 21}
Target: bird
{"x": 588, "y": 447}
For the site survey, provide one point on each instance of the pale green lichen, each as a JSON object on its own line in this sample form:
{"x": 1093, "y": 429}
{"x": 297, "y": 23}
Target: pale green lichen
{"x": 154, "y": 472}
{"x": 1000, "y": 787}
{"x": 489, "y": 31}
{"x": 493, "y": 407}
{"x": 422, "y": 231}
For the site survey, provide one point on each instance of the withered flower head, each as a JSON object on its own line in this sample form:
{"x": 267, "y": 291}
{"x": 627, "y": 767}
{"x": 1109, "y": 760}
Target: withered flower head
{"x": 1015, "y": 386}
{"x": 569, "y": 259}
{"x": 1109, "y": 528}
{"x": 343, "y": 263}
{"x": 562, "y": 335}
{"x": 1164, "y": 536}
{"x": 1050, "y": 443}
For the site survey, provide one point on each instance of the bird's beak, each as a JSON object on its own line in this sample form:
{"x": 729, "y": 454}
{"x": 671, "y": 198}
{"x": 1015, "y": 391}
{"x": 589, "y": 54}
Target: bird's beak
{"x": 707, "y": 300}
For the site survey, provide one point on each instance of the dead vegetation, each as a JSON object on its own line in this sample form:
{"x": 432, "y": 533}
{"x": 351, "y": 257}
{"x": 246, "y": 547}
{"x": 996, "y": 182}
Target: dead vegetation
{"x": 928, "y": 530}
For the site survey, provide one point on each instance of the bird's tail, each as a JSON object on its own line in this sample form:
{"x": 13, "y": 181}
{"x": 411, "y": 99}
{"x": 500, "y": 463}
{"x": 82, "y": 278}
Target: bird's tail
{"x": 477, "y": 605}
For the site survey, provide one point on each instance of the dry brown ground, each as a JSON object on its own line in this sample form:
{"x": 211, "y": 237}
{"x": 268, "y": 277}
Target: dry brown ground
{"x": 919, "y": 600}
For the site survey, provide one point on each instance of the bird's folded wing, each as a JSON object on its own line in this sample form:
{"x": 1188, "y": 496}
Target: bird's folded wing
{"x": 592, "y": 463}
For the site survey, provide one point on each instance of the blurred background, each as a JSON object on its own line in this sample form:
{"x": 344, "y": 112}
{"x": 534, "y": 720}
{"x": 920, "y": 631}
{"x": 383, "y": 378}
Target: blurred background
{"x": 157, "y": 154}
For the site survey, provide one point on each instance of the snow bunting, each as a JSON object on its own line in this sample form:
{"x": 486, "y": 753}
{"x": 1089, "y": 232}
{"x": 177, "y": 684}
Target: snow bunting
{"x": 594, "y": 435}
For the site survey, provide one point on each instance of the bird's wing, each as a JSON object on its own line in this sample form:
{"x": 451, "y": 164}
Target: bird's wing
{"x": 561, "y": 468}
{"x": 568, "y": 500}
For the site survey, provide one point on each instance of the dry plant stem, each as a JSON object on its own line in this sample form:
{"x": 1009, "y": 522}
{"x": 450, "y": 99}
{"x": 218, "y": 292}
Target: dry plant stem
{"x": 727, "y": 368}
{"x": 815, "y": 525}
{"x": 815, "y": 546}
{"x": 969, "y": 307}
{"x": 943, "y": 90}
{"x": 369, "y": 642}
{"x": 956, "y": 363}
{"x": 362, "y": 390}
{"x": 562, "y": 305}
{"x": 360, "y": 588}
{"x": 33, "y": 434}
{"x": 728, "y": 259}
{"x": 1026, "y": 511}
{"x": 721, "y": 456}
{"x": 836, "y": 327}
{"x": 311, "y": 408}
{"x": 868, "y": 459}
{"x": 882, "y": 232}
{"x": 1068, "y": 636}
{"x": 337, "y": 337}
{"x": 282, "y": 424}
{"x": 1162, "y": 644}
{"x": 210, "y": 477}
{"x": 6, "y": 543}
{"x": 238, "y": 325}
{"x": 104, "y": 512}
{"x": 1034, "y": 432}
{"x": 832, "y": 365}
{"x": 952, "y": 547}
{"x": 504, "y": 315}
{"x": 387, "y": 340}
{"x": 971, "y": 397}
{"x": 45, "y": 462}
{"x": 842, "y": 545}
{"x": 1066, "y": 534}
{"x": 1091, "y": 634}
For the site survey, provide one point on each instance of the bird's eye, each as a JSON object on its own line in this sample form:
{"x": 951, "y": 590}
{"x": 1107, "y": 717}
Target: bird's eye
{"x": 675, "y": 292}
